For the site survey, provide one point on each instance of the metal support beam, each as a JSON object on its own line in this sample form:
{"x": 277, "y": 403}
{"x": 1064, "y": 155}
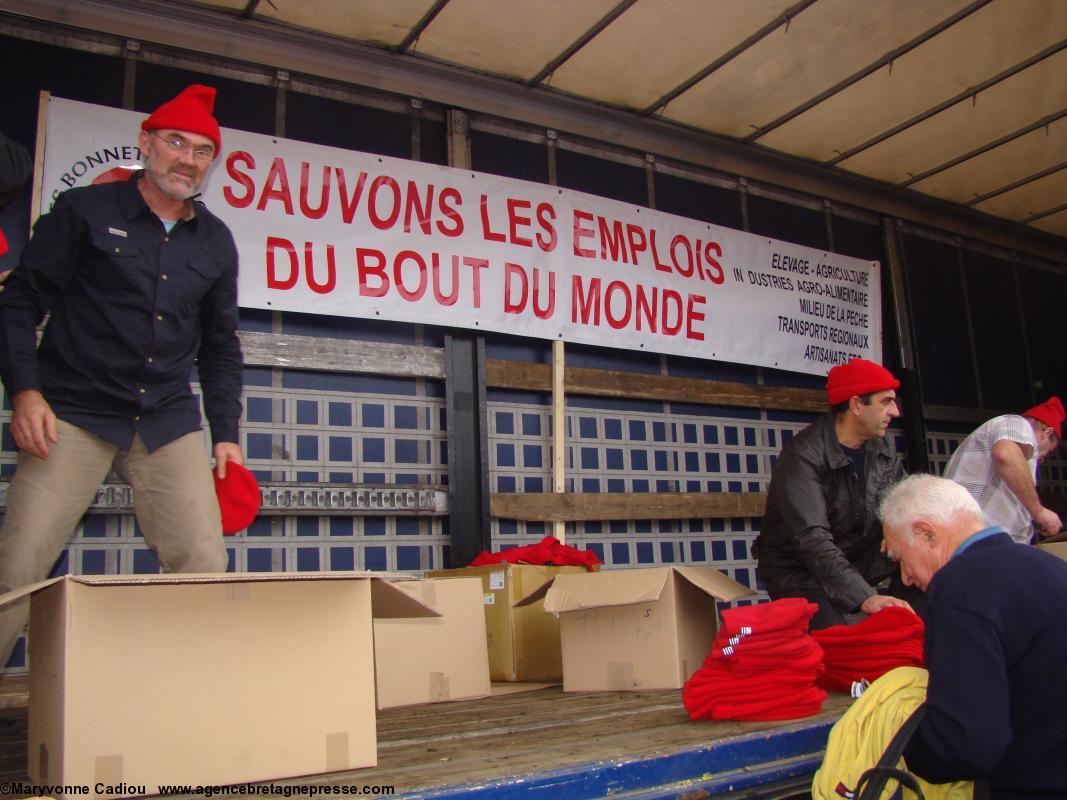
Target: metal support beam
{"x": 468, "y": 447}
{"x": 299, "y": 498}
{"x": 911, "y": 387}
{"x": 214, "y": 34}
{"x": 468, "y": 429}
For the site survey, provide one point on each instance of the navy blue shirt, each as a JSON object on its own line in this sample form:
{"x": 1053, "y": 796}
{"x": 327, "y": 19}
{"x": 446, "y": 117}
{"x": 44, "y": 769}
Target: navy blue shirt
{"x": 996, "y": 650}
{"x": 133, "y": 310}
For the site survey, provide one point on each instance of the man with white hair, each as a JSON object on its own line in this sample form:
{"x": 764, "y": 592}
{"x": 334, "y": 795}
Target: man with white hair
{"x": 997, "y": 701}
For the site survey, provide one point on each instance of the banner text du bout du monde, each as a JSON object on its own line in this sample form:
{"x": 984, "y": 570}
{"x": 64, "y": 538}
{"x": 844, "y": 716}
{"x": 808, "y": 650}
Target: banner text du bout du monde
{"x": 329, "y": 231}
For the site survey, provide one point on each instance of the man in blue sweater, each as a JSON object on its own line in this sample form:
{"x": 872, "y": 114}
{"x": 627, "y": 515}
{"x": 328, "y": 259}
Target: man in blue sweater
{"x": 995, "y": 648}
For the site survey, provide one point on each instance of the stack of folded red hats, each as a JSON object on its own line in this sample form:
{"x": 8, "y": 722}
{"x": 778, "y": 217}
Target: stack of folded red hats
{"x": 889, "y": 638}
{"x": 762, "y": 666}
{"x": 548, "y": 551}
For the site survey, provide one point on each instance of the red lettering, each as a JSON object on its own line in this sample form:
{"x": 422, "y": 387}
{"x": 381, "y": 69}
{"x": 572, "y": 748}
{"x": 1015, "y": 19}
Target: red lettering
{"x": 671, "y": 297}
{"x": 546, "y": 216}
{"x": 686, "y": 266}
{"x": 487, "y": 233}
{"x": 449, "y": 201}
{"x": 517, "y": 220}
{"x": 715, "y": 273}
{"x": 422, "y": 209}
{"x": 546, "y": 311}
{"x": 324, "y": 195}
{"x": 584, "y": 307}
{"x": 655, "y": 253}
{"x": 635, "y": 234}
{"x": 583, "y": 233}
{"x": 477, "y": 265}
{"x": 646, "y": 310}
{"x": 616, "y": 288}
{"x": 274, "y": 243}
{"x": 512, "y": 306}
{"x": 235, "y": 158}
{"x": 277, "y": 175}
{"x": 692, "y": 315}
{"x": 411, "y": 295}
{"x": 371, "y": 264}
{"x": 309, "y": 270}
{"x": 349, "y": 202}
{"x": 439, "y": 296}
{"x": 613, "y": 245}
{"x": 383, "y": 223}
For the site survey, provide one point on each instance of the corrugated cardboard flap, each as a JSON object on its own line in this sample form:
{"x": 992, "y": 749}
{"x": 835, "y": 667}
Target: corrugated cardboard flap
{"x": 25, "y": 591}
{"x": 535, "y": 595}
{"x": 711, "y": 581}
{"x": 387, "y": 600}
{"x": 231, "y": 577}
{"x": 621, "y": 587}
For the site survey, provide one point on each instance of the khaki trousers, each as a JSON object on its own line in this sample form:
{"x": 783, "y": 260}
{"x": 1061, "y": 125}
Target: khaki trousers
{"x": 174, "y": 501}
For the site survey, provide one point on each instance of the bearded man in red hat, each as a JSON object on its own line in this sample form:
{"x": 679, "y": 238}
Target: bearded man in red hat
{"x": 998, "y": 464}
{"x": 140, "y": 280}
{"x": 821, "y": 538}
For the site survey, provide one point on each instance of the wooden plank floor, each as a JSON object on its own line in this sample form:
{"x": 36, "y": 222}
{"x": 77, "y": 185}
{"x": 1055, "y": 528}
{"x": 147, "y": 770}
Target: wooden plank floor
{"x": 492, "y": 738}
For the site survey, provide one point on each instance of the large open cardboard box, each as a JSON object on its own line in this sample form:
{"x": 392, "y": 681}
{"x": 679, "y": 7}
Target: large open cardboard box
{"x": 137, "y": 681}
{"x": 523, "y": 642}
{"x": 636, "y": 629}
{"x": 430, "y": 660}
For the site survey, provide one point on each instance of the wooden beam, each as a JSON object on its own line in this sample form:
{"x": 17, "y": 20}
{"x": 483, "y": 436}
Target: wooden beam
{"x": 38, "y": 157}
{"x": 635, "y": 385}
{"x": 412, "y": 361}
{"x": 629, "y": 505}
{"x": 972, "y": 416}
{"x": 341, "y": 355}
{"x": 559, "y": 429}
{"x": 382, "y": 358}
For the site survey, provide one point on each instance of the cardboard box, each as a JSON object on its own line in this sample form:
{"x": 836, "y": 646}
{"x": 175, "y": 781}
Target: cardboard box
{"x": 436, "y": 659}
{"x": 1058, "y": 549}
{"x": 137, "y": 681}
{"x": 636, "y": 629}
{"x": 523, "y": 642}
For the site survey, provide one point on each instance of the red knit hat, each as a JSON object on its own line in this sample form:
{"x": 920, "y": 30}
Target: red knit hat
{"x": 786, "y": 613}
{"x": 239, "y": 497}
{"x": 1050, "y": 412}
{"x": 189, "y": 111}
{"x": 889, "y": 638}
{"x": 858, "y": 377}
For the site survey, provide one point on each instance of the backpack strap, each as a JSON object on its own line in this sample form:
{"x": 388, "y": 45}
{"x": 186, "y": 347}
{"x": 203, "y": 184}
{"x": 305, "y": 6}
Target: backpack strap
{"x": 872, "y": 782}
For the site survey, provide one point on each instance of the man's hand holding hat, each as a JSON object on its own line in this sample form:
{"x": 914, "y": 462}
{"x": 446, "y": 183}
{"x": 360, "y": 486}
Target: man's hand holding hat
{"x": 236, "y": 488}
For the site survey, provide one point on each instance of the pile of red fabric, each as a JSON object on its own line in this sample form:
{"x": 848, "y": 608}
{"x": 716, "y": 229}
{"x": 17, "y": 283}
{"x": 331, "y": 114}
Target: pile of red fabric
{"x": 548, "y": 551}
{"x": 890, "y": 638}
{"x": 763, "y": 665}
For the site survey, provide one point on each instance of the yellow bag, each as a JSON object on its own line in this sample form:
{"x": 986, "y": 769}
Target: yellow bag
{"x": 860, "y": 738}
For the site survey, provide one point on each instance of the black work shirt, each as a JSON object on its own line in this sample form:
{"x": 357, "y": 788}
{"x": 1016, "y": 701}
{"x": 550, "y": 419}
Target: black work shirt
{"x": 133, "y": 309}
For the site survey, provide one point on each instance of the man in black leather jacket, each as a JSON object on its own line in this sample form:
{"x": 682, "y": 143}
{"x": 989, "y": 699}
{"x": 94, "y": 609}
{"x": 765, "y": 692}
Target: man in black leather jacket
{"x": 821, "y": 537}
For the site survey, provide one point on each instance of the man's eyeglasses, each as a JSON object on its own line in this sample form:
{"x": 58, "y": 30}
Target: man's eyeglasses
{"x": 180, "y": 147}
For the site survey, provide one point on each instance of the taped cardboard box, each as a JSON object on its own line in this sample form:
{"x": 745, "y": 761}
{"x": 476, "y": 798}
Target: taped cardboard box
{"x": 636, "y": 629}
{"x": 523, "y": 642}
{"x": 138, "y": 681}
{"x": 436, "y": 659}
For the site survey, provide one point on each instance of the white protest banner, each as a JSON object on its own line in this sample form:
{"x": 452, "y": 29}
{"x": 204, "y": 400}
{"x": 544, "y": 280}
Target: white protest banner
{"x": 327, "y": 231}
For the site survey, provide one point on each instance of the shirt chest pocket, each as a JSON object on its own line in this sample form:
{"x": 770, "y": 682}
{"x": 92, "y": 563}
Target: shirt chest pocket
{"x": 116, "y": 260}
{"x": 192, "y": 281}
